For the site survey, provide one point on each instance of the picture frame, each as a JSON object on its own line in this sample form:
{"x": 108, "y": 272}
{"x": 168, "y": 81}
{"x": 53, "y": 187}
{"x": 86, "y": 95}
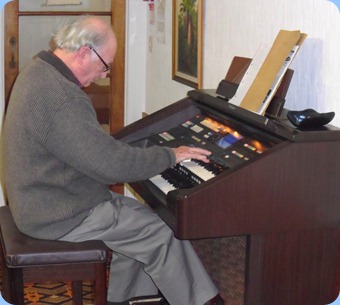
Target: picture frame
{"x": 187, "y": 23}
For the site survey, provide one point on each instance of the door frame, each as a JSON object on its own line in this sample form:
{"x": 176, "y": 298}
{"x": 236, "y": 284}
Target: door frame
{"x": 117, "y": 80}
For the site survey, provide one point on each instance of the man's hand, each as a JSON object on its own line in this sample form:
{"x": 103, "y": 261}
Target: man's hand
{"x": 184, "y": 153}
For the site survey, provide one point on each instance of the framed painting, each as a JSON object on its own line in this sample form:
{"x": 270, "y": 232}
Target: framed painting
{"x": 187, "y": 42}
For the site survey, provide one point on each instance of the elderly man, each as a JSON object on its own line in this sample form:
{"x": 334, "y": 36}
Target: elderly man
{"x": 59, "y": 165}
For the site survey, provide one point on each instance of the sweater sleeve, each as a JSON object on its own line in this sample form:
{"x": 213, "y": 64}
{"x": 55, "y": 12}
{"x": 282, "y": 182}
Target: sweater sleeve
{"x": 76, "y": 137}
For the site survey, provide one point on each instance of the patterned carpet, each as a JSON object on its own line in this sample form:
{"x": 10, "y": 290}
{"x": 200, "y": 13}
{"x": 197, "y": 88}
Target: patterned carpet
{"x": 55, "y": 293}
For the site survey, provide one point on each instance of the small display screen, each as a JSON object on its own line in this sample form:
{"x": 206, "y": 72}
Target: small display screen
{"x": 228, "y": 140}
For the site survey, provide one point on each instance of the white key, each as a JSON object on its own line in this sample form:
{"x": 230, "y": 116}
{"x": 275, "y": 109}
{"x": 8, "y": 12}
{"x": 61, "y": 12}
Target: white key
{"x": 162, "y": 184}
{"x": 198, "y": 170}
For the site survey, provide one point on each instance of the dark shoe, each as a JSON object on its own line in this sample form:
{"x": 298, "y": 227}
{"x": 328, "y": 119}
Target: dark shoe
{"x": 146, "y": 300}
{"x": 216, "y": 300}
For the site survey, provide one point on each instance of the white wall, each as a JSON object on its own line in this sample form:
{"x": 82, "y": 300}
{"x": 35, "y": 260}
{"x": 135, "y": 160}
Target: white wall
{"x": 236, "y": 28}
{"x": 161, "y": 89}
{"x": 135, "y": 65}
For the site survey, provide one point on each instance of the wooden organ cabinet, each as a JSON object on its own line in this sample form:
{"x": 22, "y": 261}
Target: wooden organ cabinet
{"x": 264, "y": 214}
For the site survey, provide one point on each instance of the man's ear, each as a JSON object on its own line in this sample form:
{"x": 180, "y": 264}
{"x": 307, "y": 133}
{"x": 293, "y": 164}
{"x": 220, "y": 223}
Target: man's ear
{"x": 82, "y": 53}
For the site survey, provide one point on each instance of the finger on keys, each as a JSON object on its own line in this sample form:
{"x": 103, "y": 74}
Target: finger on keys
{"x": 184, "y": 153}
{"x": 200, "y": 154}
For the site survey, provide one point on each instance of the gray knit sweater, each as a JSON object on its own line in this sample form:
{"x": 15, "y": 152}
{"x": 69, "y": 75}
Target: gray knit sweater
{"x": 58, "y": 160}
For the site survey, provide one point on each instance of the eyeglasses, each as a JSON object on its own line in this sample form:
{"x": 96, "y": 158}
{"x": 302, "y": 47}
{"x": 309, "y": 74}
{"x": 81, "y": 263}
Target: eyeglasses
{"x": 106, "y": 66}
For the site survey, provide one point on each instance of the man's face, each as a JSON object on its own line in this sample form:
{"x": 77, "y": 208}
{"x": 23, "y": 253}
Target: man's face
{"x": 97, "y": 64}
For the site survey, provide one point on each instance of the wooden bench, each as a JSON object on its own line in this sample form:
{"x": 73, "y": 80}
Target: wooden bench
{"x": 28, "y": 260}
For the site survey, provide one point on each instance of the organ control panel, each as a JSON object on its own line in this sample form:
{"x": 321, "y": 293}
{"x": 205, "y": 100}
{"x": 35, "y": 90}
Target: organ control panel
{"x": 267, "y": 180}
{"x": 230, "y": 147}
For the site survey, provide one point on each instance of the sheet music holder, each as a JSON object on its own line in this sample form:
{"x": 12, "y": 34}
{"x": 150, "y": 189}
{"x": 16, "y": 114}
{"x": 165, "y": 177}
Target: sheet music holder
{"x": 264, "y": 74}
{"x": 238, "y": 67}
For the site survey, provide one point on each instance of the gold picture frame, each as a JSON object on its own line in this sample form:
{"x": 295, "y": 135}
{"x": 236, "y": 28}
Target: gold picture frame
{"x": 187, "y": 42}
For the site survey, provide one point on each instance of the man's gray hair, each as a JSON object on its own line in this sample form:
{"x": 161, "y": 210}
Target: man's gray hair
{"x": 81, "y": 32}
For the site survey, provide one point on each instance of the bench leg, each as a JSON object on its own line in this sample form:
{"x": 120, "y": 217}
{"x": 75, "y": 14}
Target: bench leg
{"x": 6, "y": 290}
{"x": 17, "y": 286}
{"x": 100, "y": 289}
{"x": 77, "y": 291}
{"x": 6, "y": 284}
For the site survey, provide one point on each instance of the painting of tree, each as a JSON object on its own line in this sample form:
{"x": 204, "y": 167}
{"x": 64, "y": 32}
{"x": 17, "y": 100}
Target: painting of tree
{"x": 186, "y": 41}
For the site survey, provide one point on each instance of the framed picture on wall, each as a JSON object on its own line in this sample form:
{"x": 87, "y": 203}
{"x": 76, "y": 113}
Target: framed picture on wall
{"x": 187, "y": 42}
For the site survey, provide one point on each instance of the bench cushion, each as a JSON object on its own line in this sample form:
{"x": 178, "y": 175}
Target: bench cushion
{"x": 21, "y": 250}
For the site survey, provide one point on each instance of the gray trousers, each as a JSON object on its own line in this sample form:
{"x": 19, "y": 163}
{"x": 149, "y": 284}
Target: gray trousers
{"x": 146, "y": 255}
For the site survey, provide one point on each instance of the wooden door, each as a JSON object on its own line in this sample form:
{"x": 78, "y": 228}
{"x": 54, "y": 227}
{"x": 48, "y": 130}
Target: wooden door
{"x": 22, "y": 20}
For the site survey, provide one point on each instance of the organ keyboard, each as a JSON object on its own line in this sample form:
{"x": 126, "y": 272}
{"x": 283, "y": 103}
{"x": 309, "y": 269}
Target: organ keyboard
{"x": 266, "y": 179}
{"x": 185, "y": 175}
